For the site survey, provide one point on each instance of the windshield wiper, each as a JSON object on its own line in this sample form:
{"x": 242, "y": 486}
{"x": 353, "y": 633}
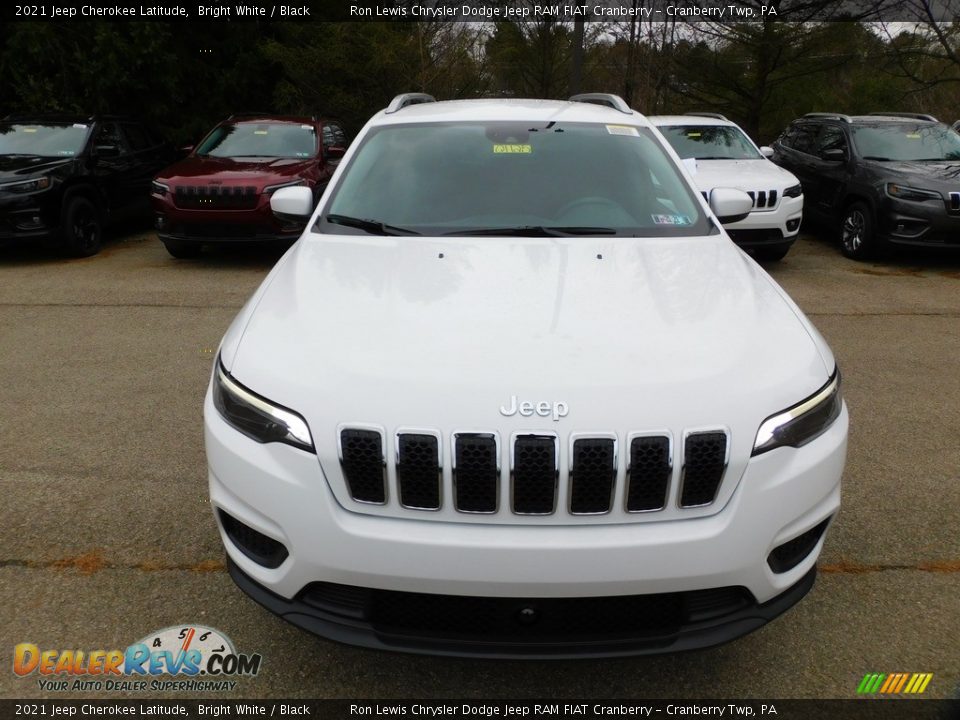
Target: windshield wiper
{"x": 374, "y": 227}
{"x": 535, "y": 231}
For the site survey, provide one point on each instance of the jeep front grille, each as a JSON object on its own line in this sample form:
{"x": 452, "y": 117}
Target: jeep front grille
{"x": 215, "y": 197}
{"x": 589, "y": 478}
{"x": 705, "y": 459}
{"x": 763, "y": 199}
{"x": 648, "y": 475}
{"x": 476, "y": 472}
{"x": 955, "y": 202}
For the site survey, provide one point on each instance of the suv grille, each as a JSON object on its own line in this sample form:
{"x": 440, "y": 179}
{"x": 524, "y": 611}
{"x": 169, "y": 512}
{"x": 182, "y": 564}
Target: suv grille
{"x": 215, "y": 197}
{"x": 705, "y": 458}
{"x": 763, "y": 199}
{"x": 955, "y": 202}
{"x": 585, "y": 484}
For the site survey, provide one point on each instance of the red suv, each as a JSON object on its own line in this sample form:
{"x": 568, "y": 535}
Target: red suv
{"x": 221, "y": 191}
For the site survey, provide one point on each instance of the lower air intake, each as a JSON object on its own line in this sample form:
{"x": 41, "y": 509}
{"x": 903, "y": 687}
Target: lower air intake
{"x": 793, "y": 552}
{"x": 255, "y": 545}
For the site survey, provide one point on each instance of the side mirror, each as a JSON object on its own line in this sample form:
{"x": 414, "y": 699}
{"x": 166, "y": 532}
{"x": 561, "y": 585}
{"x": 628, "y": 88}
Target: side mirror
{"x": 108, "y": 151}
{"x": 730, "y": 205}
{"x": 766, "y": 151}
{"x": 292, "y": 204}
{"x": 834, "y": 155}
{"x": 334, "y": 152}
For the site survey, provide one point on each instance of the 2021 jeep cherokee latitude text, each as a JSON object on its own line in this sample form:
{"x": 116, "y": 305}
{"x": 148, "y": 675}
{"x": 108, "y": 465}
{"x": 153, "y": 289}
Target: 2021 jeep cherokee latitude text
{"x": 515, "y": 393}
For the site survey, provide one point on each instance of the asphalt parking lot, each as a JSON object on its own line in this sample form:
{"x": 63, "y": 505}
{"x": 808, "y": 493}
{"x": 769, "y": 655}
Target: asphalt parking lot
{"x": 107, "y": 535}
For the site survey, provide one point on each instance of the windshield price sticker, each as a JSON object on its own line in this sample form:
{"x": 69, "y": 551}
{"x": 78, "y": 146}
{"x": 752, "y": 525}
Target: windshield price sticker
{"x": 671, "y": 219}
{"x": 512, "y": 149}
{"x": 623, "y": 130}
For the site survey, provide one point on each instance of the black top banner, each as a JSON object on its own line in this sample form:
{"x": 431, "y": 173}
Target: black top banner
{"x": 892, "y": 709}
{"x": 487, "y": 11}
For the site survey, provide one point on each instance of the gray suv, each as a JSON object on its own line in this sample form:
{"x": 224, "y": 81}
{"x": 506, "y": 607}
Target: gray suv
{"x": 879, "y": 179}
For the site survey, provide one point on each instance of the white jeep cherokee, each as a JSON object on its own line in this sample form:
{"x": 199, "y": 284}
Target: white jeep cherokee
{"x": 515, "y": 393}
{"x": 725, "y": 157}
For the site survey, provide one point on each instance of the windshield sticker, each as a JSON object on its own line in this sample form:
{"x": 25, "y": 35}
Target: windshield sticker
{"x": 67, "y": 152}
{"x": 913, "y": 136}
{"x": 303, "y": 154}
{"x": 694, "y": 134}
{"x": 306, "y": 127}
{"x": 623, "y": 130}
{"x": 80, "y": 126}
{"x": 260, "y": 132}
{"x": 512, "y": 149}
{"x": 671, "y": 219}
{"x": 30, "y": 130}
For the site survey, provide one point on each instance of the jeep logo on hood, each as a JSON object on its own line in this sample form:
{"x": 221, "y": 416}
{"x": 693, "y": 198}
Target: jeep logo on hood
{"x": 527, "y": 408}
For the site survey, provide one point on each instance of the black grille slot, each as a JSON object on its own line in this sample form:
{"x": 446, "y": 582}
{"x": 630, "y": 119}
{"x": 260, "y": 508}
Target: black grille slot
{"x": 534, "y": 474}
{"x": 255, "y": 545}
{"x": 475, "y": 474}
{"x": 761, "y": 199}
{"x": 772, "y": 199}
{"x": 955, "y": 201}
{"x": 215, "y": 197}
{"x": 418, "y": 471}
{"x": 753, "y": 196}
{"x": 649, "y": 473}
{"x": 363, "y": 464}
{"x": 791, "y": 553}
{"x": 704, "y": 462}
{"x": 592, "y": 474}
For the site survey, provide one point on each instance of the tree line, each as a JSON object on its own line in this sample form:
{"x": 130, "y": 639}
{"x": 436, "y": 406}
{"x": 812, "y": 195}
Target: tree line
{"x": 183, "y": 77}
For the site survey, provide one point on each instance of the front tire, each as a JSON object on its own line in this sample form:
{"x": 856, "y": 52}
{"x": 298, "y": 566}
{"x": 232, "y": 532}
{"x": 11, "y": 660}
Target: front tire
{"x": 182, "y": 250}
{"x": 858, "y": 239}
{"x": 82, "y": 229}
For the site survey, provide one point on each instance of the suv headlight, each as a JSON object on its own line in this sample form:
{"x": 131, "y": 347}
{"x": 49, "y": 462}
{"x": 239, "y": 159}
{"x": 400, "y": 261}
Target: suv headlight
{"x": 270, "y": 189}
{"x": 26, "y": 186}
{"x": 805, "y": 421}
{"x": 793, "y": 191}
{"x": 158, "y": 188}
{"x": 258, "y": 418}
{"x": 904, "y": 192}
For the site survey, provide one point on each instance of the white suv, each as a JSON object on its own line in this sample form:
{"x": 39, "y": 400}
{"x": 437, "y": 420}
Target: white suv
{"x": 725, "y": 157}
{"x": 515, "y": 393}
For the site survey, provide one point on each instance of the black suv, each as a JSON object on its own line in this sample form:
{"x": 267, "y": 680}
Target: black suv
{"x": 878, "y": 179}
{"x": 64, "y": 178}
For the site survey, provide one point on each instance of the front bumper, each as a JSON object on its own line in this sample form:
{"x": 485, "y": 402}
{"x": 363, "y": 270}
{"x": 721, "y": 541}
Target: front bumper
{"x": 257, "y": 224}
{"x": 924, "y": 224}
{"x": 779, "y": 226}
{"x": 282, "y": 493}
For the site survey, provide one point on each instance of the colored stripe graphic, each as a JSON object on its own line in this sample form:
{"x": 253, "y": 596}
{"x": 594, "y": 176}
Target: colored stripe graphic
{"x": 894, "y": 683}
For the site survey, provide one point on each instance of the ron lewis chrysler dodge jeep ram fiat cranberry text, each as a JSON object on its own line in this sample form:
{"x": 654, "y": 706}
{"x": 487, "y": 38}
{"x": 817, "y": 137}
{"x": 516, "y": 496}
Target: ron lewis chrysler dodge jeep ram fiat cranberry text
{"x": 515, "y": 393}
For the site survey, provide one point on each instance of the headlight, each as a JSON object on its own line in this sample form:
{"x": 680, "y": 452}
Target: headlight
{"x": 805, "y": 421}
{"x": 26, "y": 186}
{"x": 793, "y": 191}
{"x": 257, "y": 418}
{"x": 903, "y": 192}
{"x": 158, "y": 188}
{"x": 270, "y": 189}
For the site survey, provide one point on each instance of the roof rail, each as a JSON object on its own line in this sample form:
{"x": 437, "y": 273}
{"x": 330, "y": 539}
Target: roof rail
{"x": 912, "y": 116}
{"x": 715, "y": 116}
{"x": 835, "y": 116}
{"x": 608, "y": 99}
{"x": 405, "y": 99}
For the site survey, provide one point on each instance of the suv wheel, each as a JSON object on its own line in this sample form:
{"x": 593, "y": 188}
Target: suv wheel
{"x": 857, "y": 239}
{"x": 182, "y": 250}
{"x": 82, "y": 231}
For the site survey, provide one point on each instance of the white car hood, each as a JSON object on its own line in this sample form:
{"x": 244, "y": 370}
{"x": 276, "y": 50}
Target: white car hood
{"x": 743, "y": 175}
{"x": 631, "y": 334}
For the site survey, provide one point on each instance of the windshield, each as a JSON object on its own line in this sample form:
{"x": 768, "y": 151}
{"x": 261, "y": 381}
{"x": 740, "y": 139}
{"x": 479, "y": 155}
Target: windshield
{"x": 274, "y": 140}
{"x": 710, "y": 142}
{"x": 523, "y": 178}
{"x": 907, "y": 142}
{"x": 42, "y": 140}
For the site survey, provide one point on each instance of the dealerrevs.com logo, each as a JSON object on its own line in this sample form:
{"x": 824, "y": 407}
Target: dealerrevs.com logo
{"x": 204, "y": 657}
